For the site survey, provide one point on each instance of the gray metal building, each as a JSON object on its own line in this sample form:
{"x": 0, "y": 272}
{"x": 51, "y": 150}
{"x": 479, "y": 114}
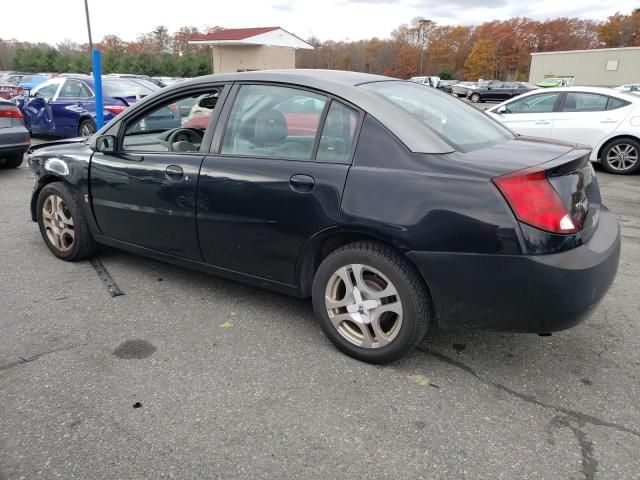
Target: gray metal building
{"x": 603, "y": 67}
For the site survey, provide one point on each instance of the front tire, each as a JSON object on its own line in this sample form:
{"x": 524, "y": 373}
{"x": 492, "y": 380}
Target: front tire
{"x": 13, "y": 160}
{"x": 62, "y": 223}
{"x": 621, "y": 156}
{"x": 475, "y": 98}
{"x": 371, "y": 302}
{"x": 86, "y": 128}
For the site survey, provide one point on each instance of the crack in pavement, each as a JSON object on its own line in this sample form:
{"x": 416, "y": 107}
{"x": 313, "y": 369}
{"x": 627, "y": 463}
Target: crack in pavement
{"x": 23, "y": 360}
{"x": 581, "y": 418}
{"x": 589, "y": 463}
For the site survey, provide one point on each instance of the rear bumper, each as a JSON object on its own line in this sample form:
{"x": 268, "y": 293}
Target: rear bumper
{"x": 14, "y": 140}
{"x": 537, "y": 293}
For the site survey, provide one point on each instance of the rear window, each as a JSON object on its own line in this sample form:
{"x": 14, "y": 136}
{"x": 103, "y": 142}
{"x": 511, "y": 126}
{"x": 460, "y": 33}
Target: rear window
{"x": 125, "y": 88}
{"x": 458, "y": 124}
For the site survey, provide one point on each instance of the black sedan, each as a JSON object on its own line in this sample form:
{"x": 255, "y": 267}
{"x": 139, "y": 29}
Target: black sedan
{"x": 499, "y": 91}
{"x": 394, "y": 206}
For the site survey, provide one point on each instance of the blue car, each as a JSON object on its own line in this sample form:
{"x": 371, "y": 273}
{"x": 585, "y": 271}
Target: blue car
{"x": 29, "y": 82}
{"x": 66, "y": 107}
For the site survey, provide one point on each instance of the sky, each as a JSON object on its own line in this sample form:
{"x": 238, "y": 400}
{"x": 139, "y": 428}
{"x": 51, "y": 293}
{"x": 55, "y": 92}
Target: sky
{"x": 54, "y": 21}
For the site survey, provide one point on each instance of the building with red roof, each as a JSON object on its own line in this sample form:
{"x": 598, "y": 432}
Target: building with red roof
{"x": 244, "y": 49}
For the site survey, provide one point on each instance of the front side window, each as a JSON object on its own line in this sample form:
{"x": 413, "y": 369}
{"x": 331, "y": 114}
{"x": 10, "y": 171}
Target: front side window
{"x": 584, "y": 102}
{"x": 539, "y": 103}
{"x": 46, "y": 91}
{"x": 270, "y": 121}
{"x": 460, "y": 125}
{"x": 178, "y": 125}
{"x": 74, "y": 89}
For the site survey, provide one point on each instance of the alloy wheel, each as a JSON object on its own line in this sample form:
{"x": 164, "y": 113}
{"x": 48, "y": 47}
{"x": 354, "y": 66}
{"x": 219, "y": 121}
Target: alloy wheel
{"x": 363, "y": 306}
{"x": 87, "y": 129}
{"x": 58, "y": 223}
{"x": 622, "y": 157}
{"x": 475, "y": 98}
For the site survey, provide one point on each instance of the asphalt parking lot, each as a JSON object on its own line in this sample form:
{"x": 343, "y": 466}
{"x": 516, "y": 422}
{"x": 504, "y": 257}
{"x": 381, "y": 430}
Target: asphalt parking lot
{"x": 192, "y": 377}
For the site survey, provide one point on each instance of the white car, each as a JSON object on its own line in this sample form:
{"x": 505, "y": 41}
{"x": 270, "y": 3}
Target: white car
{"x": 605, "y": 119}
{"x": 630, "y": 87}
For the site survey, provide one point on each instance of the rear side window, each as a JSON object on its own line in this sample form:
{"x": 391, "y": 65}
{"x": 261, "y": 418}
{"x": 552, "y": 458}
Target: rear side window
{"x": 271, "y": 121}
{"x": 614, "y": 103}
{"x": 461, "y": 126}
{"x": 584, "y": 102}
{"x": 337, "y": 134}
{"x": 539, "y": 103}
{"x": 74, "y": 89}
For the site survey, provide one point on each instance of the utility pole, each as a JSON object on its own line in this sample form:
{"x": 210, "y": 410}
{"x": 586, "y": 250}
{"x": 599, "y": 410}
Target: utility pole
{"x": 86, "y": 12}
{"x": 422, "y": 23}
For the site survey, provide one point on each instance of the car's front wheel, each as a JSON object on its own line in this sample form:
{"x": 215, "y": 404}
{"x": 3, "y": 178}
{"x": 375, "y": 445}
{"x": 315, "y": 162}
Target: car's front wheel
{"x": 371, "y": 302}
{"x": 621, "y": 156}
{"x": 62, "y": 224}
{"x": 475, "y": 98}
{"x": 86, "y": 128}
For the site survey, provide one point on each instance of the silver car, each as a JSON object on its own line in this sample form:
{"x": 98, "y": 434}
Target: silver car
{"x": 14, "y": 136}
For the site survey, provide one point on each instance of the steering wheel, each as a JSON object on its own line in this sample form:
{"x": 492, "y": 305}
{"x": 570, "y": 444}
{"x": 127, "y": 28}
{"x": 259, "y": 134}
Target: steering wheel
{"x": 190, "y": 135}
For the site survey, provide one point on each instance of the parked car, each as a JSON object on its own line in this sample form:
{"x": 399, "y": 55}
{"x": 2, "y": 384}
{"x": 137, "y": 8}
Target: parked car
{"x": 399, "y": 207}
{"x": 427, "y": 80}
{"x": 446, "y": 85}
{"x": 461, "y": 89}
{"x": 631, "y": 88}
{"x": 66, "y": 106}
{"x": 13, "y": 77}
{"x": 9, "y": 90}
{"x": 606, "y": 120}
{"x": 29, "y": 82}
{"x": 497, "y": 91}
{"x": 555, "y": 82}
{"x": 14, "y": 137}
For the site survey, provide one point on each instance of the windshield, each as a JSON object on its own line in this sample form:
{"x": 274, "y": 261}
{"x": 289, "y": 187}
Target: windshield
{"x": 458, "y": 124}
{"x": 124, "y": 87}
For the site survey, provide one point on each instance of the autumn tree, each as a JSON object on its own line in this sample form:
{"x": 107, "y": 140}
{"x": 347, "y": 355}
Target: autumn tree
{"x": 481, "y": 62}
{"x": 621, "y": 30}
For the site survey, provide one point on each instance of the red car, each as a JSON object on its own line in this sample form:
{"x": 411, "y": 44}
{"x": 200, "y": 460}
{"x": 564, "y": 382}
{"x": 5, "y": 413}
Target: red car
{"x": 9, "y": 90}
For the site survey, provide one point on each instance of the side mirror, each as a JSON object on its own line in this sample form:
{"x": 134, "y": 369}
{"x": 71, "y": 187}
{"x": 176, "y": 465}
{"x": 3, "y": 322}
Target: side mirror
{"x": 208, "y": 102}
{"x": 502, "y": 109}
{"x": 104, "y": 144}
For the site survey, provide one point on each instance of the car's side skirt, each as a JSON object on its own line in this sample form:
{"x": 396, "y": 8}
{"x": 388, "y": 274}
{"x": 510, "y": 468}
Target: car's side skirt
{"x": 202, "y": 267}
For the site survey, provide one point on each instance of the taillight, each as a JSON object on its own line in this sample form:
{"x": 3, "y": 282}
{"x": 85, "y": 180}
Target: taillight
{"x": 174, "y": 108}
{"x": 115, "y": 109}
{"x": 534, "y": 201}
{"x": 10, "y": 112}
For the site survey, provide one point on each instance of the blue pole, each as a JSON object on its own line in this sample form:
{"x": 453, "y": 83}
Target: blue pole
{"x": 97, "y": 82}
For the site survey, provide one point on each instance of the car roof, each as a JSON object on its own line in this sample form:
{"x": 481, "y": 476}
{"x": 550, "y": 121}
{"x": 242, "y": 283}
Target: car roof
{"x": 342, "y": 84}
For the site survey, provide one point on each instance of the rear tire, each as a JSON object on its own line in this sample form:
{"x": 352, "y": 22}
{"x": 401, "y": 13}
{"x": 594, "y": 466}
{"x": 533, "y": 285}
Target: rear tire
{"x": 371, "y": 302}
{"x": 14, "y": 160}
{"x": 621, "y": 156}
{"x": 62, "y": 223}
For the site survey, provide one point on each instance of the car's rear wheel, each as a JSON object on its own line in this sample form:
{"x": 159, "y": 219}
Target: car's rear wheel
{"x": 621, "y": 156}
{"x": 62, "y": 224}
{"x": 86, "y": 128}
{"x": 371, "y": 302}
{"x": 14, "y": 160}
{"x": 475, "y": 98}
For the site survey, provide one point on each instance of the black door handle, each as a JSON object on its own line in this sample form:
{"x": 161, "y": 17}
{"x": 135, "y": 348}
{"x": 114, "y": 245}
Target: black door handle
{"x": 174, "y": 172}
{"x": 302, "y": 183}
